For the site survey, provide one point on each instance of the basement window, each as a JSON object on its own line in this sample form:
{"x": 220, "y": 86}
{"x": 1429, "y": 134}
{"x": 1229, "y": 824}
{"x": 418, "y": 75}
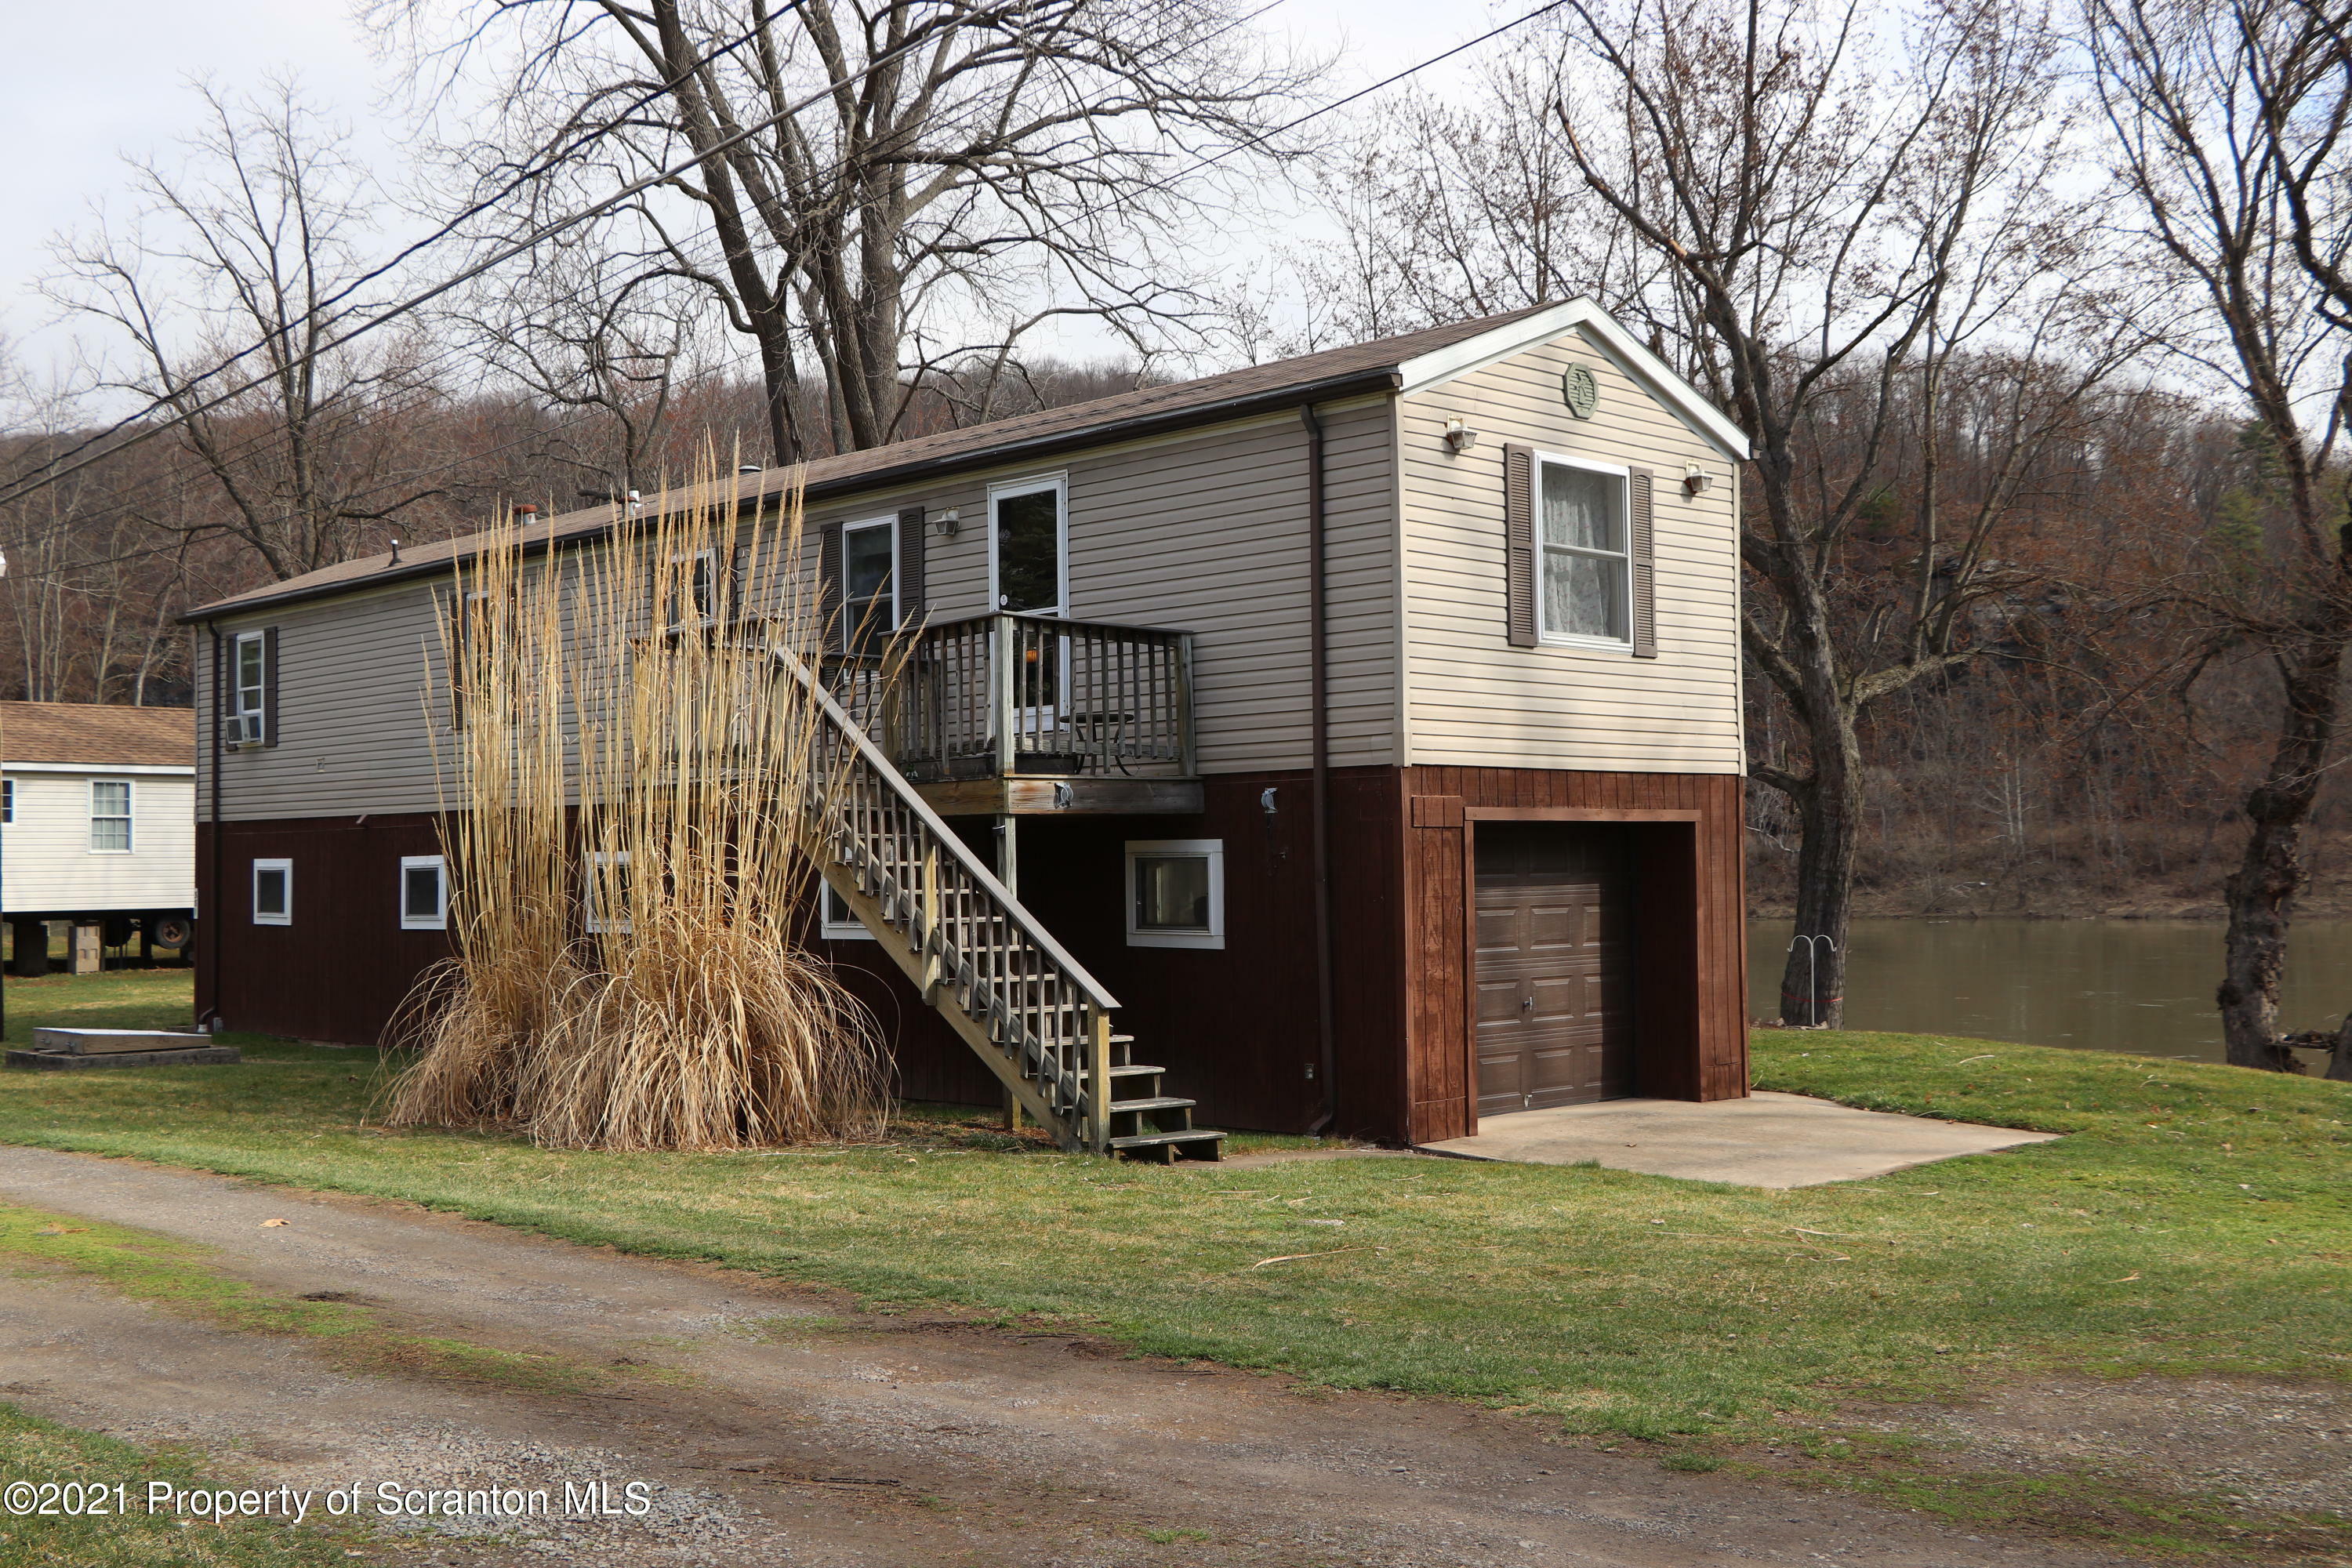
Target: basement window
{"x": 273, "y": 892}
{"x": 424, "y": 893}
{"x": 604, "y": 892}
{"x": 839, "y": 922}
{"x": 1176, "y": 892}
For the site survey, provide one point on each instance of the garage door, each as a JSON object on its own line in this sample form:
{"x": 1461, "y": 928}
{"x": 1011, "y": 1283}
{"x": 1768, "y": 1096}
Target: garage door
{"x": 1554, "y": 966}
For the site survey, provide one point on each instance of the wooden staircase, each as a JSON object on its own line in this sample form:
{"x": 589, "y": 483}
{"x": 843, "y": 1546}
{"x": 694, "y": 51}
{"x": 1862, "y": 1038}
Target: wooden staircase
{"x": 1028, "y": 1009}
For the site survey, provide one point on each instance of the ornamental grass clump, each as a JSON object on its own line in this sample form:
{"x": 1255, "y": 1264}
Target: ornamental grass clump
{"x": 631, "y": 793}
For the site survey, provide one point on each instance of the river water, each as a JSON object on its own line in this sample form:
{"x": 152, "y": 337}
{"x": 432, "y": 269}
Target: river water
{"x": 2145, "y": 986}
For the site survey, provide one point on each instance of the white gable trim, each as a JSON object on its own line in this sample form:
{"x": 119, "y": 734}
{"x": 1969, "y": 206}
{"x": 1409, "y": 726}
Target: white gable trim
{"x": 1646, "y": 369}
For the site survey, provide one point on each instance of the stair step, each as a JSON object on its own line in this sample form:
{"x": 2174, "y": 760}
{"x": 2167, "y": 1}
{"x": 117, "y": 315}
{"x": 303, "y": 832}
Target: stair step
{"x": 1132, "y": 1069}
{"x": 1157, "y": 1102}
{"x": 1197, "y": 1144}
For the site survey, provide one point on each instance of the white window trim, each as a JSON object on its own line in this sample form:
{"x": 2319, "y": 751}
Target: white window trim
{"x": 588, "y": 918}
{"x": 701, "y": 615}
{"x": 831, "y": 930}
{"x": 889, "y": 525}
{"x": 129, "y": 818}
{"x": 439, "y": 919}
{"x": 1006, "y": 490}
{"x": 1624, "y": 477}
{"x": 255, "y": 717}
{"x": 284, "y": 917}
{"x": 1211, "y": 849}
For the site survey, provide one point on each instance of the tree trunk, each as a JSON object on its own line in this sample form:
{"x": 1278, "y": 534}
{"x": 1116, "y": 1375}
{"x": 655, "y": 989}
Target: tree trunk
{"x": 1829, "y": 807}
{"x": 2260, "y": 893}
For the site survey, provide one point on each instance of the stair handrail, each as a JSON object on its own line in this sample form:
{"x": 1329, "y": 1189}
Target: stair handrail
{"x": 908, "y": 797}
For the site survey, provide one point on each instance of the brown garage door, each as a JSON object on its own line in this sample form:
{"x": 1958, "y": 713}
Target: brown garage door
{"x": 1555, "y": 966}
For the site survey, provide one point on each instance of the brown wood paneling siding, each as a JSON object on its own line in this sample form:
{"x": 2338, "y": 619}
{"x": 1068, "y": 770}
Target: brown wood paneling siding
{"x": 1693, "y": 995}
{"x": 340, "y": 972}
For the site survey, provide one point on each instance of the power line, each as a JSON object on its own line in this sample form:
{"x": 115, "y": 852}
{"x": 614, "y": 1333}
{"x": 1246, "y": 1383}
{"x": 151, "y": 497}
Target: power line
{"x": 475, "y": 209}
{"x": 499, "y": 257}
{"x": 259, "y": 440}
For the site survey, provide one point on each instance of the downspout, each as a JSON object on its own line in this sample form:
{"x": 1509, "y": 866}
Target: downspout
{"x": 1318, "y": 810}
{"x": 210, "y": 939}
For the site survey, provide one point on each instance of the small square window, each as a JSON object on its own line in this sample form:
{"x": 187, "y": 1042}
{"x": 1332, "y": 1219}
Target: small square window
{"x": 110, "y": 817}
{"x": 424, "y": 893}
{"x": 606, "y": 889}
{"x": 273, "y": 892}
{"x": 837, "y": 920}
{"x": 1176, "y": 892}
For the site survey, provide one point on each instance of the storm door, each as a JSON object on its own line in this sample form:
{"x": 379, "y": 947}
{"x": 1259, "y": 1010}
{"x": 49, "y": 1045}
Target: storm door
{"x": 1028, "y": 562}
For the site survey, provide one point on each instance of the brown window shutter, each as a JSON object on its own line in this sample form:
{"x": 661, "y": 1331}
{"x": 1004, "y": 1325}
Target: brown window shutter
{"x": 269, "y": 686}
{"x": 910, "y": 566}
{"x": 1645, "y": 571}
{"x": 828, "y": 585}
{"x": 1519, "y": 543}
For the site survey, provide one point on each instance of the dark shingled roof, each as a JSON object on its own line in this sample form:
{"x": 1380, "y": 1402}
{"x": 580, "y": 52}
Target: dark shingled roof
{"x": 1232, "y": 395}
{"x": 96, "y": 733}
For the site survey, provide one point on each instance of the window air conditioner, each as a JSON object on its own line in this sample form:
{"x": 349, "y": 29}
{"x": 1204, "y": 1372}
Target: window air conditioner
{"x": 241, "y": 730}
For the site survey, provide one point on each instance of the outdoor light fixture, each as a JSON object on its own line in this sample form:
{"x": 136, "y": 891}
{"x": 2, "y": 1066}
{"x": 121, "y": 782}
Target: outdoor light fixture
{"x": 946, "y": 524}
{"x": 1460, "y": 436}
{"x": 1696, "y": 479}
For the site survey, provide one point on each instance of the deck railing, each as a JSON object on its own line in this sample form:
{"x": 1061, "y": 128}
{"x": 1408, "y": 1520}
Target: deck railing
{"x": 1007, "y": 694}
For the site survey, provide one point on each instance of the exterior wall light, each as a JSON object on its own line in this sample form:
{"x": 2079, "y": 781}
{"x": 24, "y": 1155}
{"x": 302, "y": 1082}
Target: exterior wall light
{"x": 1696, "y": 479}
{"x": 946, "y": 524}
{"x": 1460, "y": 436}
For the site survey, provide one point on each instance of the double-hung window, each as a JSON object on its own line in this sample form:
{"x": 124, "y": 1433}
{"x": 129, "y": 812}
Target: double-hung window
{"x": 1583, "y": 545}
{"x": 869, "y": 584}
{"x": 424, "y": 893}
{"x": 250, "y": 675}
{"x": 110, "y": 817}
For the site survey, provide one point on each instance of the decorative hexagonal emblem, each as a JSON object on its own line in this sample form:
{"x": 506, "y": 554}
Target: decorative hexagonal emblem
{"x": 1580, "y": 391}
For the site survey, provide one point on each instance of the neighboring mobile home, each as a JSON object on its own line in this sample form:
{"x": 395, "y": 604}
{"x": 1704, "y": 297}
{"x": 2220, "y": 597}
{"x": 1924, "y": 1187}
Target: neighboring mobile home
{"x": 1368, "y": 724}
{"x": 96, "y": 827}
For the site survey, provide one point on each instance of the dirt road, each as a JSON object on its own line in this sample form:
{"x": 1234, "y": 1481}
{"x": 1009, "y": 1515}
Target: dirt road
{"x": 769, "y": 1433}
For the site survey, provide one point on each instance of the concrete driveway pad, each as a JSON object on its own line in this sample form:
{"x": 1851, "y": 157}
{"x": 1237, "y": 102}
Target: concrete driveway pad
{"x": 1764, "y": 1141}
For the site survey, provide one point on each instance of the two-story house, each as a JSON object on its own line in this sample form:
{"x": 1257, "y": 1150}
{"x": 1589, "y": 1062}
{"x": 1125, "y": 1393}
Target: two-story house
{"x": 1367, "y": 726}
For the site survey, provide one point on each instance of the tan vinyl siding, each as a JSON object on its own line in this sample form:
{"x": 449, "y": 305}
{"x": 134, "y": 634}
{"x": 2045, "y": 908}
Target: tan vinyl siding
{"x": 1473, "y": 699}
{"x": 354, "y": 673}
{"x": 1206, "y": 532}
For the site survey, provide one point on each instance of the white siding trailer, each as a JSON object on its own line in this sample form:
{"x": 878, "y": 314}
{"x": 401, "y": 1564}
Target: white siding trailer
{"x": 97, "y": 829}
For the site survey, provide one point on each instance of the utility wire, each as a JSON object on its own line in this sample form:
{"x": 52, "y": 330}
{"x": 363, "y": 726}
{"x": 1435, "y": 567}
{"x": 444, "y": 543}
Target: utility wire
{"x": 553, "y": 160}
{"x": 638, "y": 187}
{"x": 259, "y": 440}
{"x": 498, "y": 257}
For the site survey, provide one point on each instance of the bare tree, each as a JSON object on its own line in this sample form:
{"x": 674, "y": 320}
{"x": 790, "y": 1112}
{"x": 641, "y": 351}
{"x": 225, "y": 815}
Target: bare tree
{"x": 886, "y": 187}
{"x": 604, "y": 342}
{"x": 245, "y": 247}
{"x": 2228, "y": 118}
{"x": 1821, "y": 234}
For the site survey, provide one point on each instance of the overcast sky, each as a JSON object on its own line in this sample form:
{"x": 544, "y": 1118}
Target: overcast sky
{"x": 82, "y": 83}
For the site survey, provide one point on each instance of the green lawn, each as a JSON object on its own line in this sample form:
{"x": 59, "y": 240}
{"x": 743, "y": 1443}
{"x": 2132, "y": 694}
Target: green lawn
{"x": 2197, "y": 1220}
